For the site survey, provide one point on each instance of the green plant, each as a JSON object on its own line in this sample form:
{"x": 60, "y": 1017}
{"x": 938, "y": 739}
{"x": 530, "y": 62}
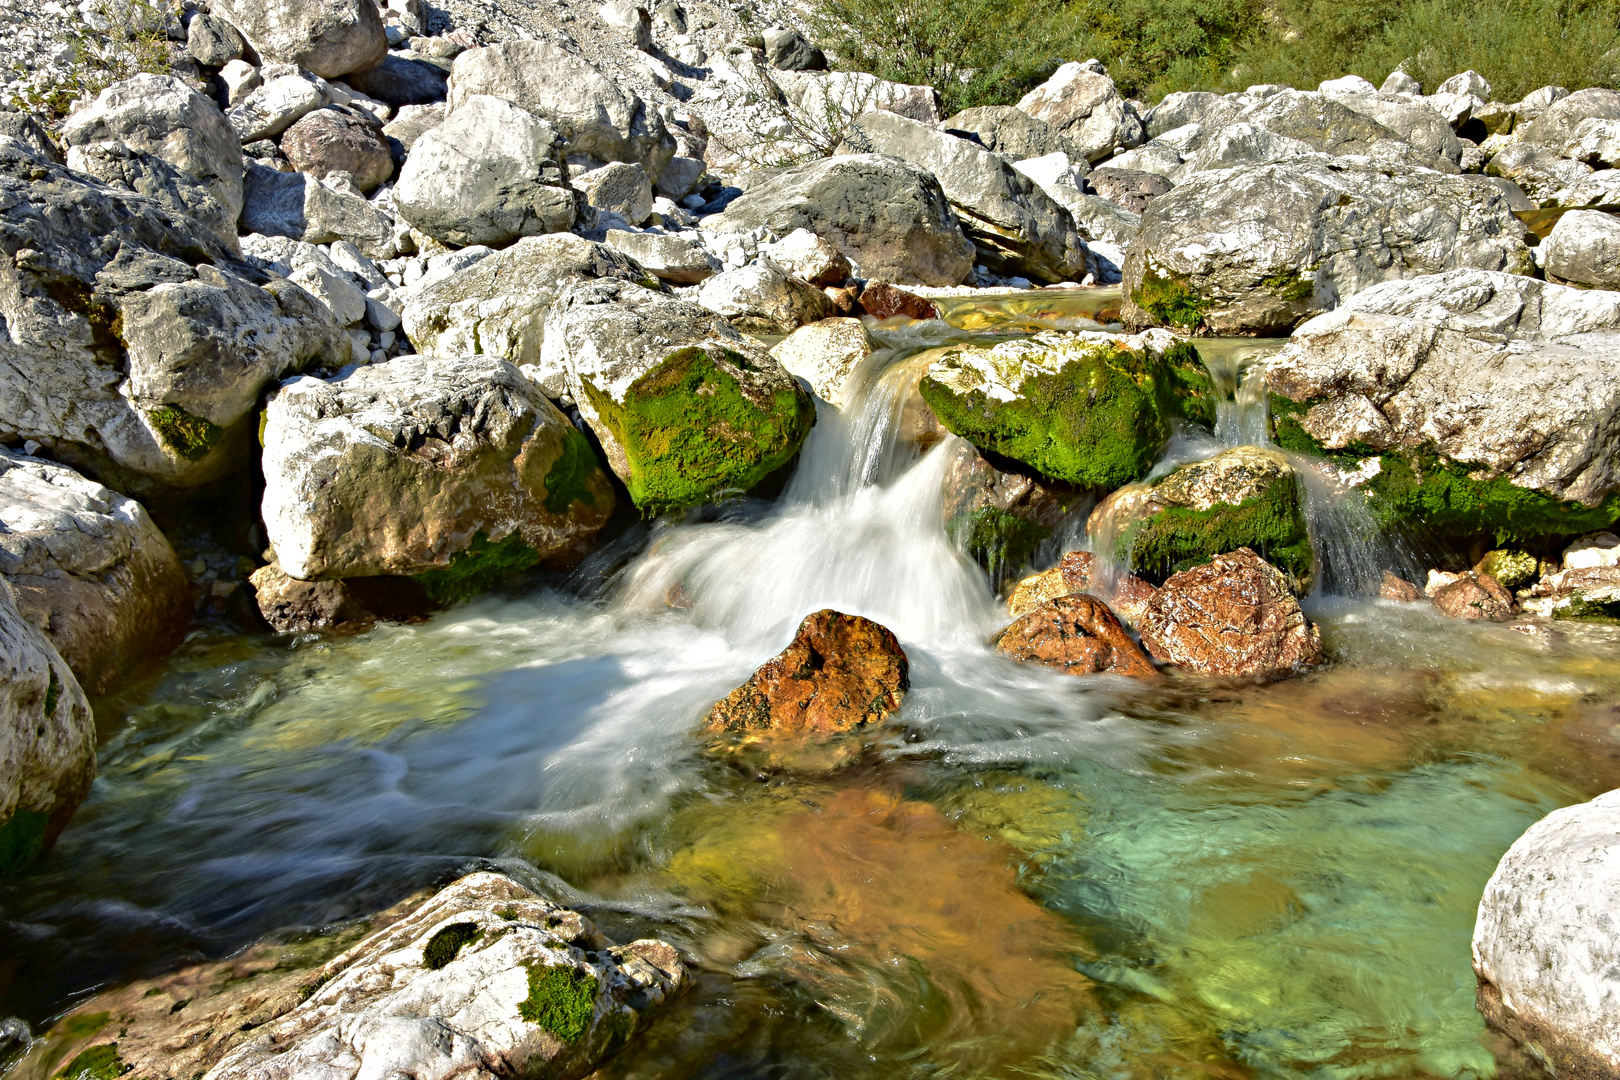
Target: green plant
{"x": 1171, "y": 301}
{"x": 97, "y": 1063}
{"x": 478, "y": 567}
{"x": 192, "y": 437}
{"x": 568, "y": 480}
{"x": 562, "y": 999}
{"x": 444, "y": 946}
{"x": 110, "y": 42}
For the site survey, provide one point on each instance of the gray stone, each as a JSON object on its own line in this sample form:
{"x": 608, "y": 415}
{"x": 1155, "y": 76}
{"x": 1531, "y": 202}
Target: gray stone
{"x": 847, "y": 94}
{"x": 763, "y": 298}
{"x": 1598, "y": 189}
{"x": 298, "y": 206}
{"x": 1411, "y": 121}
{"x": 1399, "y": 82}
{"x": 1005, "y": 129}
{"x": 677, "y": 259}
{"x": 805, "y": 255}
{"x": 402, "y": 80}
{"x": 825, "y": 355}
{"x": 1151, "y": 157}
{"x": 28, "y": 131}
{"x": 211, "y": 41}
{"x": 1596, "y": 142}
{"x": 1335, "y": 127}
{"x": 240, "y": 79}
{"x": 1584, "y": 249}
{"x": 330, "y": 38}
{"x": 787, "y": 50}
{"x": 115, "y": 164}
{"x": 1469, "y": 82}
{"x": 339, "y": 139}
{"x": 631, "y": 18}
{"x": 1210, "y": 112}
{"x": 1081, "y": 102}
{"x": 412, "y": 122}
{"x": 1540, "y": 171}
{"x": 274, "y": 106}
{"x": 620, "y": 189}
{"x": 1129, "y": 189}
{"x": 681, "y": 176}
{"x": 1556, "y": 124}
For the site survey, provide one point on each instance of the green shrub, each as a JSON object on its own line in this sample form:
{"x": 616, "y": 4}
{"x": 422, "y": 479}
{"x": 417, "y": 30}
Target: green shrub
{"x": 135, "y": 41}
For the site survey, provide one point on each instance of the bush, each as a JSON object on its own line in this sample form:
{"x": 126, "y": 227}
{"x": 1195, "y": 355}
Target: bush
{"x": 109, "y": 42}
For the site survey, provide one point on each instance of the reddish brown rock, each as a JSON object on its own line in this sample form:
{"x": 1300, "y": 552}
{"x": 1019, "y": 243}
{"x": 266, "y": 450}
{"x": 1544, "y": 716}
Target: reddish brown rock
{"x": 1076, "y": 634}
{"x": 1475, "y": 596}
{"x": 1233, "y": 616}
{"x": 335, "y": 139}
{"x": 1399, "y": 589}
{"x": 1131, "y": 598}
{"x": 839, "y": 672}
{"x": 881, "y": 300}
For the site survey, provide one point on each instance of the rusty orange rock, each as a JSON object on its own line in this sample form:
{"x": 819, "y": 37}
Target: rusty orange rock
{"x": 1078, "y": 635}
{"x": 1475, "y": 596}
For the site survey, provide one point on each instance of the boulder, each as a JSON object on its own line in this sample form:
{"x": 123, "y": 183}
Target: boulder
{"x": 1598, "y": 189}
{"x": 836, "y": 97}
{"x": 1258, "y": 250}
{"x": 1246, "y": 497}
{"x": 1399, "y": 590}
{"x": 457, "y": 471}
{"x": 1100, "y": 218}
{"x": 1129, "y": 189}
{"x": 1001, "y": 516}
{"x": 239, "y": 78}
{"x": 787, "y": 50}
{"x": 115, "y": 164}
{"x": 161, "y": 115}
{"x": 136, "y": 347}
{"x": 1016, "y": 227}
{"x": 686, "y": 408}
{"x": 1487, "y": 399}
{"x": 1073, "y": 574}
{"x": 1077, "y": 635}
{"x": 31, "y": 133}
{"x": 498, "y": 305}
{"x": 1538, "y": 170}
{"x": 338, "y": 139}
{"x": 619, "y": 189}
{"x": 211, "y": 41}
{"x": 596, "y": 116}
{"x": 1233, "y": 616}
{"x": 329, "y": 38}
{"x": 666, "y": 256}
{"x": 1558, "y": 121}
{"x": 1152, "y": 157}
{"x": 1596, "y": 142}
{"x": 840, "y": 673}
{"x": 1546, "y": 946}
{"x": 762, "y": 298}
{"x": 1584, "y": 249}
{"x": 1335, "y": 126}
{"x": 1082, "y": 103}
{"x": 300, "y": 207}
{"x": 402, "y": 80}
{"x": 1409, "y": 120}
{"x": 1008, "y": 130}
{"x": 275, "y": 105}
{"x": 292, "y": 606}
{"x": 631, "y": 17}
{"x": 1577, "y": 592}
{"x": 880, "y": 300}
{"x": 890, "y": 218}
{"x": 825, "y": 354}
{"x": 805, "y": 255}
{"x": 487, "y": 175}
{"x": 90, "y": 569}
{"x": 1091, "y": 409}
{"x": 411, "y": 122}
{"x": 1475, "y": 596}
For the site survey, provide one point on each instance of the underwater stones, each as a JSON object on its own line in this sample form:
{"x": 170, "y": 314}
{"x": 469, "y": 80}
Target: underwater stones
{"x": 825, "y": 354}
{"x": 763, "y": 298}
{"x": 1233, "y": 616}
{"x": 455, "y": 469}
{"x": 839, "y": 673}
{"x": 1090, "y": 409}
{"x": 47, "y": 740}
{"x": 1246, "y": 497}
{"x": 1076, "y": 634}
{"x": 1547, "y": 940}
{"x": 90, "y": 568}
{"x": 1474, "y": 596}
{"x": 687, "y": 410}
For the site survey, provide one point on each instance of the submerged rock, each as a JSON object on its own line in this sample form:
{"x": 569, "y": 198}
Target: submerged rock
{"x": 839, "y": 673}
{"x": 1234, "y": 616}
{"x": 1547, "y": 945}
{"x": 1076, "y": 634}
{"x": 1474, "y": 596}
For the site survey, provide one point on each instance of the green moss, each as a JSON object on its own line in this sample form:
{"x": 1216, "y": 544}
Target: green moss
{"x": 1289, "y": 286}
{"x": 478, "y": 568}
{"x": 106, "y": 322}
{"x": 1514, "y": 569}
{"x": 444, "y": 946}
{"x": 561, "y": 999}
{"x": 189, "y": 436}
{"x": 1178, "y": 538}
{"x": 1190, "y": 385}
{"x": 996, "y": 540}
{"x": 1171, "y": 301}
{"x": 53, "y": 694}
{"x": 568, "y": 480}
{"x": 97, "y": 1063}
{"x": 22, "y": 838}
{"x": 691, "y": 436}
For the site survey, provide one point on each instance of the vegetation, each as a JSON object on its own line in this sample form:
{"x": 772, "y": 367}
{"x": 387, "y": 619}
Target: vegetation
{"x": 1000, "y": 542}
{"x": 97, "y": 1063}
{"x": 478, "y": 568}
{"x": 1179, "y": 538}
{"x": 189, "y": 436}
{"x": 444, "y": 946}
{"x": 22, "y": 838}
{"x": 569, "y": 479}
{"x": 562, "y": 999}
{"x": 110, "y": 41}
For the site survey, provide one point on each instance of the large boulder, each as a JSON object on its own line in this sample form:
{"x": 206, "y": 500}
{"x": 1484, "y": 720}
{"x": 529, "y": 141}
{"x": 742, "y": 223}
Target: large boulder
{"x": 300, "y": 206}
{"x": 284, "y": 95}
{"x": 1412, "y": 121}
{"x": 1487, "y": 401}
{"x": 1335, "y": 126}
{"x": 1540, "y": 171}
{"x": 136, "y": 347}
{"x": 162, "y": 116}
{"x": 890, "y": 218}
{"x": 1257, "y": 250}
{"x": 686, "y": 408}
{"x": 833, "y": 98}
{"x": 402, "y": 80}
{"x": 115, "y": 164}
{"x": 458, "y": 469}
{"x": 1091, "y": 409}
{"x": 679, "y": 260}
{"x": 1015, "y": 225}
{"x": 47, "y": 740}
{"x": 1547, "y": 940}
{"x": 825, "y": 355}
{"x": 330, "y": 38}
{"x": 90, "y": 569}
{"x": 338, "y": 139}
{"x": 1007, "y": 129}
{"x": 498, "y": 305}
{"x": 1584, "y": 249}
{"x": 1082, "y": 103}
{"x": 487, "y": 175}
{"x": 1556, "y": 125}
{"x": 999, "y": 514}
{"x": 1077, "y": 635}
{"x": 596, "y": 116}
{"x": 763, "y": 298}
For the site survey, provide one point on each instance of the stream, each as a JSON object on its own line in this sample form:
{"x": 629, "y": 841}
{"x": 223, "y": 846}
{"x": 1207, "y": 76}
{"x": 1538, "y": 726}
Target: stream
{"x": 1026, "y": 875}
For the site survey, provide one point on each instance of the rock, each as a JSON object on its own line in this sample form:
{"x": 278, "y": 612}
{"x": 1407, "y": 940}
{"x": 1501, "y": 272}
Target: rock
{"x": 666, "y": 256}
{"x": 1475, "y": 596}
{"x": 824, "y": 354}
{"x": 1504, "y": 377}
{"x": 1231, "y": 617}
{"x": 805, "y": 255}
{"x": 1129, "y": 189}
{"x": 1595, "y": 190}
{"x": 838, "y": 674}
{"x": 140, "y": 361}
{"x": 211, "y": 41}
{"x": 488, "y": 175}
{"x": 1348, "y": 84}
{"x": 1545, "y": 944}
{"x": 1600, "y": 549}
{"x": 880, "y": 301}
{"x": 1102, "y": 219}
{"x": 1469, "y": 82}
{"x": 836, "y": 97}
{"x": 630, "y": 17}
{"x": 240, "y": 79}
{"x": 1411, "y": 121}
{"x": 1081, "y": 102}
{"x": 1000, "y": 517}
{"x": 1512, "y": 569}
{"x": 1257, "y": 250}
{"x": 1150, "y": 157}
{"x": 786, "y": 50}
{"x": 342, "y": 297}
{"x": 28, "y": 131}
{"x": 274, "y": 106}
{"x": 594, "y": 115}
{"x": 1077, "y": 635}
{"x": 402, "y": 80}
{"x": 329, "y": 38}
{"x": 1091, "y": 409}
{"x": 681, "y": 176}
{"x": 1559, "y": 120}
{"x": 1584, "y": 249}
{"x": 292, "y": 606}
{"x": 686, "y": 408}
{"x": 412, "y": 122}
{"x": 115, "y": 164}
{"x": 336, "y": 139}
{"x": 47, "y": 740}
{"x": 1596, "y": 142}
{"x": 298, "y": 206}
{"x": 618, "y": 189}
{"x": 1538, "y": 170}
{"x": 890, "y": 218}
{"x": 498, "y": 305}
{"x": 1399, "y": 82}
{"x": 1006, "y": 129}
{"x": 455, "y": 470}
{"x": 1586, "y": 592}
{"x": 762, "y": 298}
{"x": 1246, "y": 497}
{"x": 1399, "y": 589}
{"x": 90, "y": 569}
{"x": 161, "y": 115}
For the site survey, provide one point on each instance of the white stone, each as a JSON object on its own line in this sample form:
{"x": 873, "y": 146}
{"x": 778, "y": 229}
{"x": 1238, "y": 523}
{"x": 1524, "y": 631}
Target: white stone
{"x": 825, "y": 354}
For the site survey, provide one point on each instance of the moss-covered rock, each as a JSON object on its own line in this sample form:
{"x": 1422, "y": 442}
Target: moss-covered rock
{"x": 1092, "y": 410}
{"x": 1000, "y": 517}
